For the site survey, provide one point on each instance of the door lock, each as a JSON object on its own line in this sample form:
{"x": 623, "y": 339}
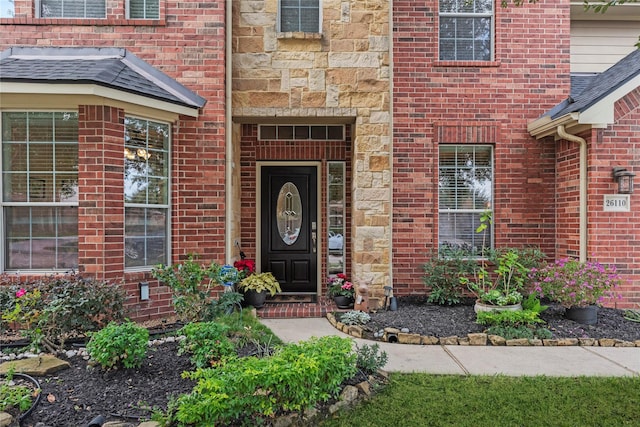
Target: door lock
{"x": 314, "y": 238}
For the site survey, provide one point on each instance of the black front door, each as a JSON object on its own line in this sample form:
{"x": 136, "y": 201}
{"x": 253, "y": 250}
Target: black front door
{"x": 289, "y": 226}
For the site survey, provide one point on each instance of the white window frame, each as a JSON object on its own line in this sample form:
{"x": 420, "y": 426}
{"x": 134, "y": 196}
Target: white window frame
{"x": 40, "y": 15}
{"x": 279, "y": 22}
{"x": 4, "y": 204}
{"x": 492, "y": 37}
{"x": 166, "y": 207}
{"x": 128, "y": 11}
{"x": 474, "y": 210}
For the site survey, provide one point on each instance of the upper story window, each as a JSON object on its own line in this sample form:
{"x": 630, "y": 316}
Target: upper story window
{"x": 7, "y": 9}
{"x": 466, "y": 30}
{"x": 143, "y": 9}
{"x": 72, "y": 9}
{"x": 465, "y": 192}
{"x": 146, "y": 193}
{"x": 39, "y": 190}
{"x": 300, "y": 16}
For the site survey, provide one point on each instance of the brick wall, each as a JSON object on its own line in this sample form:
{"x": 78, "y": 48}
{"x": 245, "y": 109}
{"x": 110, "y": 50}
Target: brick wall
{"x": 465, "y": 102}
{"x": 186, "y": 43}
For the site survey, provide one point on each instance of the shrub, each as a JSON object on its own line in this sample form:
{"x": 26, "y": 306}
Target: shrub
{"x": 576, "y": 284}
{"x": 14, "y": 396}
{"x": 370, "y": 358}
{"x": 442, "y": 274}
{"x": 295, "y": 377}
{"x": 54, "y": 308}
{"x": 191, "y": 285}
{"x": 207, "y": 343}
{"x": 119, "y": 345}
{"x": 355, "y": 317}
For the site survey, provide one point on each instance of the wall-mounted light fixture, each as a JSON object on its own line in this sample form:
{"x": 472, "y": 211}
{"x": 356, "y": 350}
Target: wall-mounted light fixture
{"x": 624, "y": 178}
{"x": 144, "y": 291}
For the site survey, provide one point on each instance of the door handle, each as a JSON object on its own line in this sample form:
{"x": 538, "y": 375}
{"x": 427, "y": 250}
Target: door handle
{"x": 314, "y": 239}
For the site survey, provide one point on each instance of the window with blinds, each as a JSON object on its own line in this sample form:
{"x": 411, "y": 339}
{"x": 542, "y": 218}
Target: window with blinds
{"x": 466, "y": 30}
{"x": 72, "y": 8}
{"x": 300, "y": 16}
{"x": 143, "y": 9}
{"x": 465, "y": 193}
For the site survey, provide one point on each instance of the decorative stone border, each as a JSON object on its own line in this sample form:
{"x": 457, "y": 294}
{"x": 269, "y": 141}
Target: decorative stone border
{"x": 394, "y": 335}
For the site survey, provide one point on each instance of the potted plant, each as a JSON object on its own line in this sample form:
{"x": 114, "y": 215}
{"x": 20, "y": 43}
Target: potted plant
{"x": 256, "y": 286}
{"x": 342, "y": 290}
{"x": 578, "y": 286}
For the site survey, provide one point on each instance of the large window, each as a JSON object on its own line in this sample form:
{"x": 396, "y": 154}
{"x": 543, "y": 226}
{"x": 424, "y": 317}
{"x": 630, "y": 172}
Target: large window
{"x": 465, "y": 195}
{"x": 40, "y": 190}
{"x": 466, "y": 30}
{"x": 72, "y": 8}
{"x": 7, "y": 8}
{"x": 146, "y": 192}
{"x": 300, "y": 16}
{"x": 144, "y": 9}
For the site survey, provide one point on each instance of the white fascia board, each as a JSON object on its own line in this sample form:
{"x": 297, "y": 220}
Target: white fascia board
{"x": 602, "y": 113}
{"x": 95, "y": 90}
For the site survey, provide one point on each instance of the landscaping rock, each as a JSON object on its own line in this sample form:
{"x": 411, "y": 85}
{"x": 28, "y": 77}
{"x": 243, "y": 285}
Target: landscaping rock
{"x": 568, "y": 342}
{"x": 518, "y": 342}
{"x": 497, "y": 340}
{"x": 409, "y": 338}
{"x": 607, "y": 342}
{"x": 588, "y": 342}
{"x": 477, "y": 339}
{"x": 35, "y": 366}
{"x": 425, "y": 340}
{"x": 5, "y": 419}
{"x": 453, "y": 340}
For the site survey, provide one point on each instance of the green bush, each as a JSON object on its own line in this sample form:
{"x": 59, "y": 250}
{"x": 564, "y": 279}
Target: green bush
{"x": 442, "y": 275}
{"x": 207, "y": 343}
{"x": 370, "y": 358}
{"x": 119, "y": 345}
{"x": 66, "y": 306}
{"x": 191, "y": 285}
{"x": 15, "y": 396}
{"x": 295, "y": 377}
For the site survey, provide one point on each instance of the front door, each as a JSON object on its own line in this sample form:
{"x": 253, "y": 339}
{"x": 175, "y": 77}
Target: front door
{"x": 289, "y": 226}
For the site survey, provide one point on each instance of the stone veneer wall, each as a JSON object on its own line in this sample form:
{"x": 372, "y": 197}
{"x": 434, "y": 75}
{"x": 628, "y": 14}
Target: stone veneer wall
{"x": 340, "y": 75}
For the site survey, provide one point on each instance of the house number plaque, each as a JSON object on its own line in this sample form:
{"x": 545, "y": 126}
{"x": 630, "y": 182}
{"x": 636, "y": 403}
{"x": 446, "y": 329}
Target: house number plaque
{"x": 617, "y": 203}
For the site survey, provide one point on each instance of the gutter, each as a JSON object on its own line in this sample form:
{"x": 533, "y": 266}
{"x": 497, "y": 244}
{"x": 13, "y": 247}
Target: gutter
{"x": 228, "y": 133}
{"x": 583, "y": 187}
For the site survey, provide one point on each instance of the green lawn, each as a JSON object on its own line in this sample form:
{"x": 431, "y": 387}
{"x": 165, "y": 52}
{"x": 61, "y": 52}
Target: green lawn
{"x": 498, "y": 401}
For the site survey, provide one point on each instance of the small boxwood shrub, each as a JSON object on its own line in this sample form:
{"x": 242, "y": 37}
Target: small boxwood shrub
{"x": 119, "y": 345}
{"x": 295, "y": 377}
{"x": 207, "y": 343}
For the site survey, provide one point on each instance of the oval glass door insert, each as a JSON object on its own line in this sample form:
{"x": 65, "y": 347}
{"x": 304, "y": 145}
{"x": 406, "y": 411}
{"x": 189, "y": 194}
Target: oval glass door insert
{"x": 289, "y": 213}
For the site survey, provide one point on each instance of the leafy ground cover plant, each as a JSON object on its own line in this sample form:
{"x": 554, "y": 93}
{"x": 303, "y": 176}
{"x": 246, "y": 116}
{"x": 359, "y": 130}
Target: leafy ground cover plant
{"x": 297, "y": 376}
{"x": 354, "y": 317}
{"x": 119, "y": 345}
{"x": 15, "y": 397}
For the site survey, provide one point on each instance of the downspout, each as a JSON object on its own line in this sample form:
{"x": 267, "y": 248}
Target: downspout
{"x": 228, "y": 133}
{"x": 583, "y": 187}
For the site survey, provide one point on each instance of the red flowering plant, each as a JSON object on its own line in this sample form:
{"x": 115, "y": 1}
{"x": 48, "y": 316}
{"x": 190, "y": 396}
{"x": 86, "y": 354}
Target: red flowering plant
{"x": 340, "y": 286}
{"x": 576, "y": 284}
{"x": 246, "y": 267}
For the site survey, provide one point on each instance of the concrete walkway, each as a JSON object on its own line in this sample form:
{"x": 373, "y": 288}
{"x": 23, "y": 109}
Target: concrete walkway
{"x": 479, "y": 360}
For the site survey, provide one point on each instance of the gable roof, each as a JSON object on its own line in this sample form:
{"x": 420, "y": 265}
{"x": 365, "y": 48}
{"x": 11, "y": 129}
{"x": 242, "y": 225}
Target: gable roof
{"x": 602, "y": 84}
{"x": 113, "y": 68}
{"x": 592, "y": 98}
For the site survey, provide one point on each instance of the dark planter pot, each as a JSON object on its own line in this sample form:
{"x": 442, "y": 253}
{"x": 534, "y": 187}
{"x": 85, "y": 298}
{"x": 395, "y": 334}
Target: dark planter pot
{"x": 585, "y": 315}
{"x": 343, "y": 302}
{"x": 254, "y": 299}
